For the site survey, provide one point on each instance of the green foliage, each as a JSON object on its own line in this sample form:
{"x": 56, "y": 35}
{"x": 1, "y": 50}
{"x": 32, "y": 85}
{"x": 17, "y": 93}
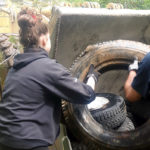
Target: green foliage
{"x": 129, "y": 4}
{"x": 1, "y": 56}
{"x": 145, "y": 4}
{"x": 13, "y": 39}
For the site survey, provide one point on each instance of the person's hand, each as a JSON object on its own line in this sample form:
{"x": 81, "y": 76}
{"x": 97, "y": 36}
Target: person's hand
{"x": 134, "y": 66}
{"x": 91, "y": 77}
{"x": 92, "y": 73}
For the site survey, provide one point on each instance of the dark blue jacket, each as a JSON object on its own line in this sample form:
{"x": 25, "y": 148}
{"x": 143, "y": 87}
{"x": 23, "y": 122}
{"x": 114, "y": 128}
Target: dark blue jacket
{"x": 30, "y": 109}
{"x": 141, "y": 82}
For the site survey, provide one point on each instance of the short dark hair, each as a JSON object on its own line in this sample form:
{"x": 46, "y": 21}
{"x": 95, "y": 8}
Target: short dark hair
{"x": 31, "y": 27}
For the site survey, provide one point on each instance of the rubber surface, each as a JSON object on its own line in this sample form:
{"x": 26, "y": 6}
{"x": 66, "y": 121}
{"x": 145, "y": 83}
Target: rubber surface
{"x": 113, "y": 114}
{"x": 127, "y": 125}
{"x": 78, "y": 117}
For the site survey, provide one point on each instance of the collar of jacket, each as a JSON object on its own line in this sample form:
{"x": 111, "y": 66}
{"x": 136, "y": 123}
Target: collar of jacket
{"x": 30, "y": 55}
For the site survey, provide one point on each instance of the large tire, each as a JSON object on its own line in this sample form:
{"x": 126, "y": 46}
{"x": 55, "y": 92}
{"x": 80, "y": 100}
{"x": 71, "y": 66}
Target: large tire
{"x": 105, "y": 56}
{"x": 113, "y": 114}
{"x": 78, "y": 146}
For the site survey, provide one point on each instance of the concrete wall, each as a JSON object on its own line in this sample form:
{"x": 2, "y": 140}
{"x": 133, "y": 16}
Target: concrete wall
{"x": 73, "y": 29}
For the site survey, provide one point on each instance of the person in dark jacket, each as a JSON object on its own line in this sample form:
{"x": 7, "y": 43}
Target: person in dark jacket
{"x": 30, "y": 108}
{"x": 137, "y": 88}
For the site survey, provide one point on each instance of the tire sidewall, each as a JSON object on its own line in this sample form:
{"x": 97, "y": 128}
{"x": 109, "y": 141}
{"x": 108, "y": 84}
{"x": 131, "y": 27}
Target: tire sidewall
{"x": 113, "y": 53}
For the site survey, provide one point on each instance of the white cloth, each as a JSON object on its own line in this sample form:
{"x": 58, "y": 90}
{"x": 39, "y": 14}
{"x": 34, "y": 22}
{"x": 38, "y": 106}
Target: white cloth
{"x": 99, "y": 102}
{"x": 91, "y": 82}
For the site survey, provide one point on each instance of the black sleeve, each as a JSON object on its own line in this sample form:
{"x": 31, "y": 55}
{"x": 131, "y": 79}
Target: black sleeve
{"x": 60, "y": 82}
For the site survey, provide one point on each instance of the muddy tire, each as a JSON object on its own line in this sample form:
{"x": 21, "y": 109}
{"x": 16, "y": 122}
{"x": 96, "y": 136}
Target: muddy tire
{"x": 126, "y": 126}
{"x": 78, "y": 146}
{"x": 113, "y": 114}
{"x": 105, "y": 57}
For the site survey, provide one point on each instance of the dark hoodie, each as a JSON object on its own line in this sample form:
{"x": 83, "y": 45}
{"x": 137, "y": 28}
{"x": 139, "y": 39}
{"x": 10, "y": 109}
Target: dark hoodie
{"x": 31, "y": 102}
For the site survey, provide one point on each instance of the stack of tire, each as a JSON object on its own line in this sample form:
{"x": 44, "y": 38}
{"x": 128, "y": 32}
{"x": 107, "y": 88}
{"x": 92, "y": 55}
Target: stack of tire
{"x": 65, "y": 4}
{"x": 113, "y": 115}
{"x": 90, "y": 5}
{"x": 114, "y": 6}
{"x": 108, "y": 127}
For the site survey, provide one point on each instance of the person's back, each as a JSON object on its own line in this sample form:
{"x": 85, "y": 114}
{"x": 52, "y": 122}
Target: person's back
{"x": 30, "y": 108}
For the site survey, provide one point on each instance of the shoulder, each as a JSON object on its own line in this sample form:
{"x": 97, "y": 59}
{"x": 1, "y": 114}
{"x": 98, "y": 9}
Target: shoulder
{"x": 51, "y": 66}
{"x": 145, "y": 63}
{"x": 146, "y": 58}
{"x": 52, "y": 63}
{"x": 45, "y": 63}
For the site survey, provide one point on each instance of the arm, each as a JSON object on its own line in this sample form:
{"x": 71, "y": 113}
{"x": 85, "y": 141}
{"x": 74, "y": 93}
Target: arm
{"x": 137, "y": 85}
{"x": 131, "y": 94}
{"x": 62, "y": 84}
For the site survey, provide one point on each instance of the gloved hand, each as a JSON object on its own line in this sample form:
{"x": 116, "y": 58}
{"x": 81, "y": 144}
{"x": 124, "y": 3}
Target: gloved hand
{"x": 134, "y": 66}
{"x": 92, "y": 73}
